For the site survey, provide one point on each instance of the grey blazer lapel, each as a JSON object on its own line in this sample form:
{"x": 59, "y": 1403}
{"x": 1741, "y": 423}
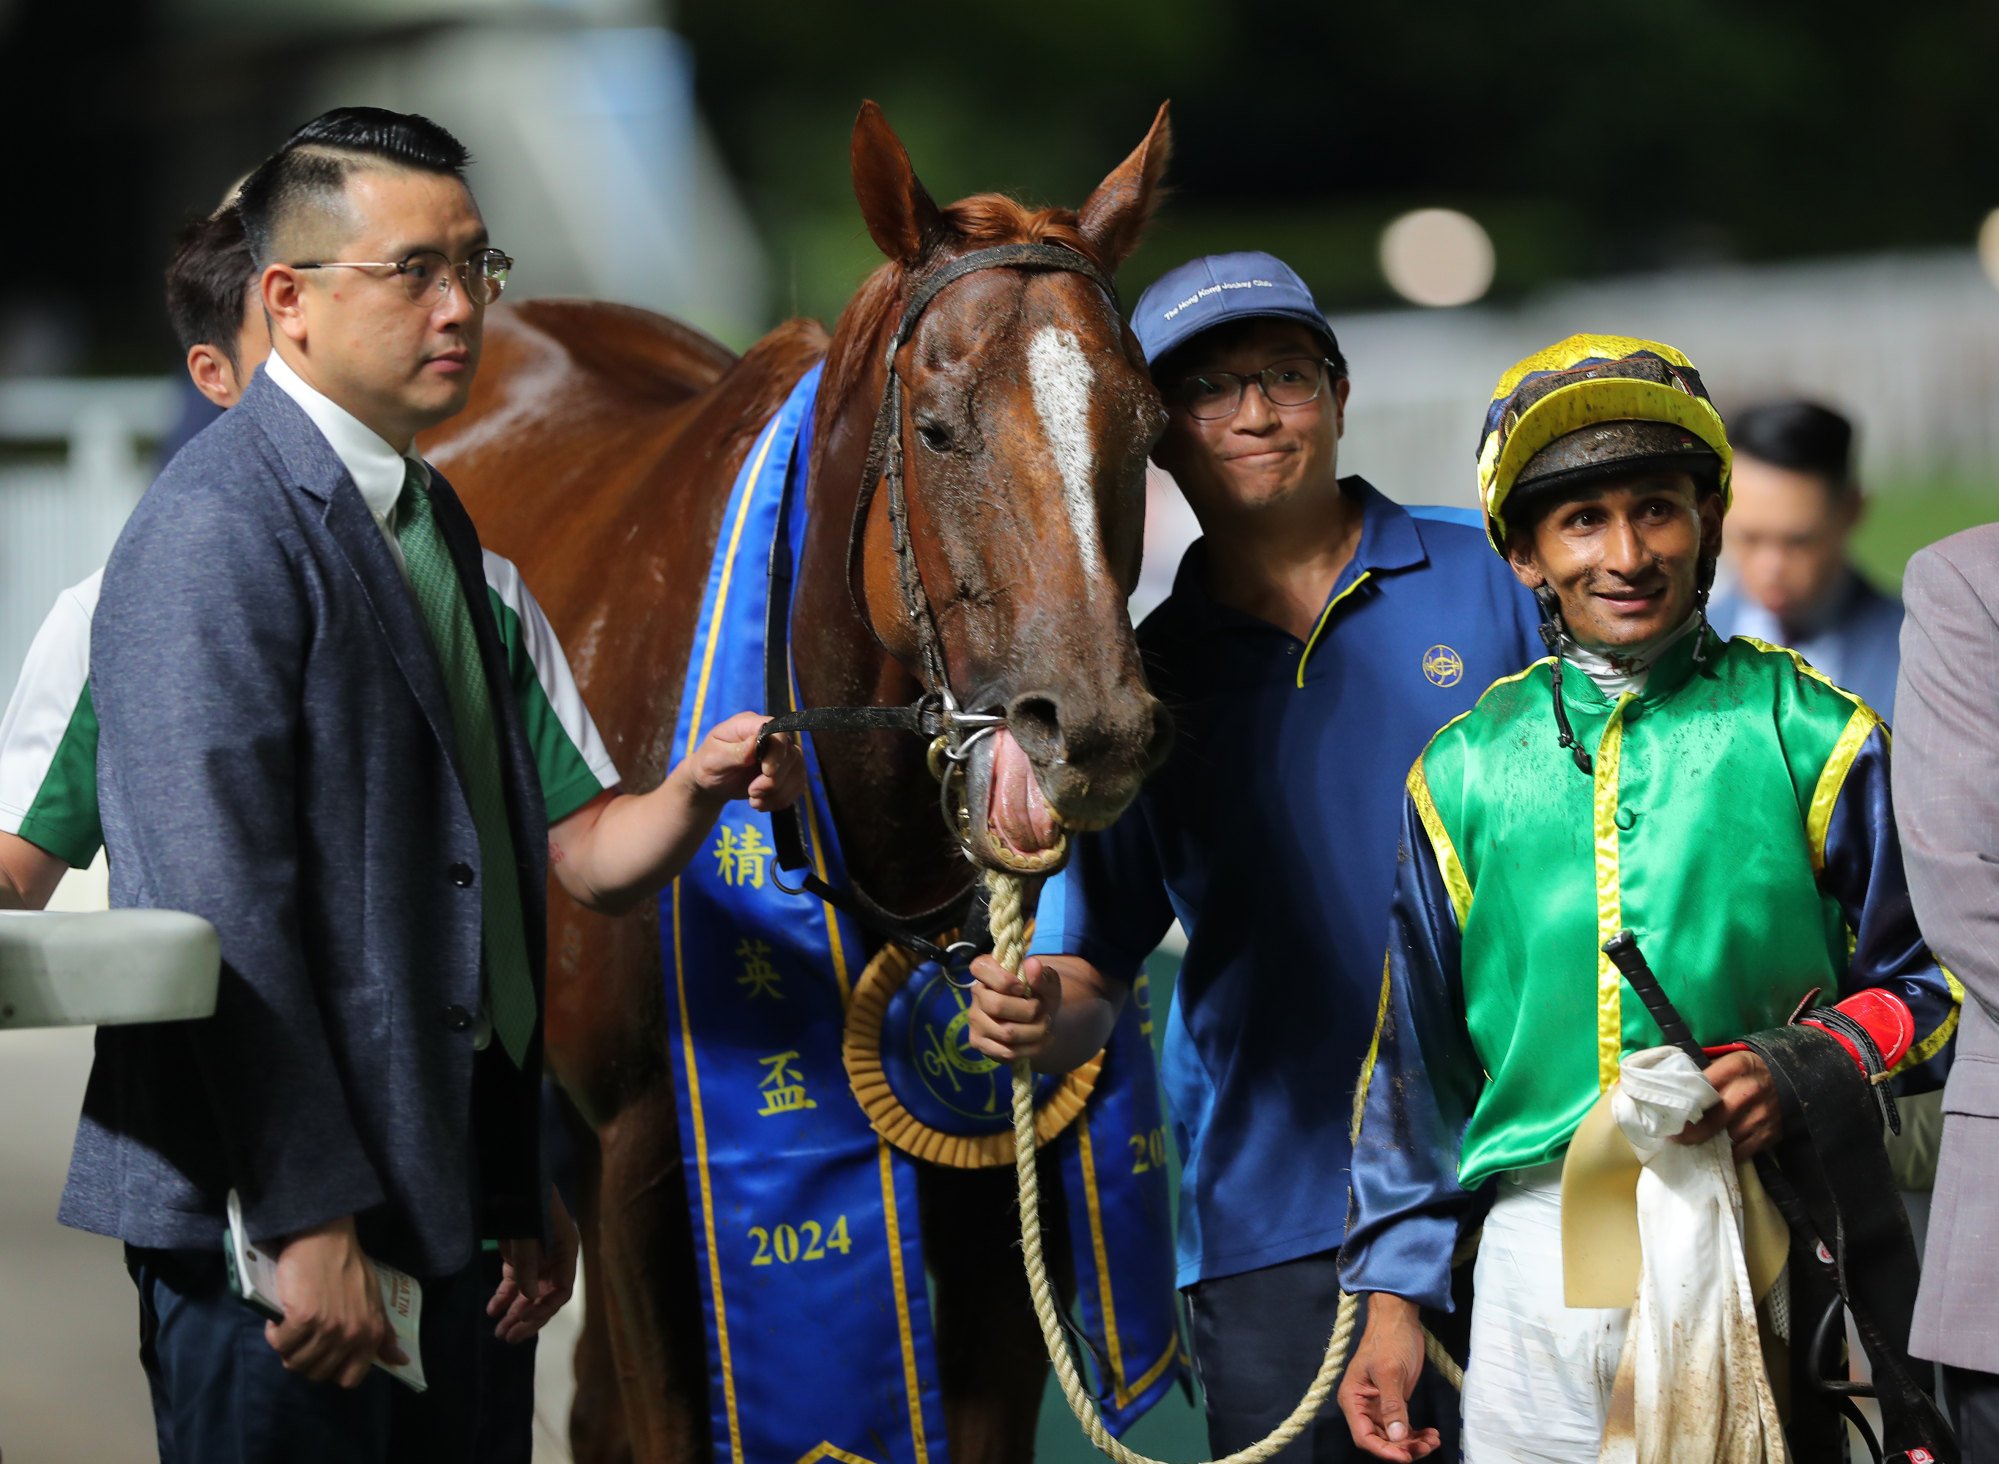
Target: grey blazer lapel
{"x": 314, "y": 467}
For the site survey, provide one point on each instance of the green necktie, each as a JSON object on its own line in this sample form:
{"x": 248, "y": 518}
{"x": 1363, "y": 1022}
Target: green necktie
{"x": 509, "y": 984}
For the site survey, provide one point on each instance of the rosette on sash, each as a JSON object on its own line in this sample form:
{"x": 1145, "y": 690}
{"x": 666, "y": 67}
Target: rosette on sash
{"x": 929, "y": 1092}
{"x": 805, "y": 1215}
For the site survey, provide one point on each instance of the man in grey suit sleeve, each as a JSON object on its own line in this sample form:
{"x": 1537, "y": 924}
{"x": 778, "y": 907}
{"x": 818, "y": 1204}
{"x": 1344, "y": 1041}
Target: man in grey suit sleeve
{"x": 1946, "y": 784}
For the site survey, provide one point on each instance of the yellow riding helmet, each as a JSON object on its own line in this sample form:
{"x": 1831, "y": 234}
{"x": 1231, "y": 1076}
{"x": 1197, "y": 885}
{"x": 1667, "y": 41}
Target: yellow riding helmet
{"x": 1592, "y": 406}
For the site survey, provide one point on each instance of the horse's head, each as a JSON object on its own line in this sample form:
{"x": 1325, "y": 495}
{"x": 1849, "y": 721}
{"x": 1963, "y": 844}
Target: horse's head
{"x": 1025, "y": 417}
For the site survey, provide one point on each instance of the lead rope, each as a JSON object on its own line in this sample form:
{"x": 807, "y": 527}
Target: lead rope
{"x": 1008, "y": 917}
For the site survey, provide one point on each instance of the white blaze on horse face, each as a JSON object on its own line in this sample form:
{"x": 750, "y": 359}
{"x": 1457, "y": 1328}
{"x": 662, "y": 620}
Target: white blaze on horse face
{"x": 1062, "y": 378}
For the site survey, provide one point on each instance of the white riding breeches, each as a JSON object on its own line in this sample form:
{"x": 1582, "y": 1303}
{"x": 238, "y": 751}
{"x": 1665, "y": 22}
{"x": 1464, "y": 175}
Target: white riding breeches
{"x": 1539, "y": 1378}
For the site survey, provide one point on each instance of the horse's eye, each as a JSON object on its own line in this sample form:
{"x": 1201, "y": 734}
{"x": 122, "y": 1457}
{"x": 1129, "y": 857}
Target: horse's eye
{"x": 935, "y": 436}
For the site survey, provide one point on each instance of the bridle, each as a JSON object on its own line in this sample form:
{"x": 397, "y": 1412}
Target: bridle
{"x": 952, "y": 730}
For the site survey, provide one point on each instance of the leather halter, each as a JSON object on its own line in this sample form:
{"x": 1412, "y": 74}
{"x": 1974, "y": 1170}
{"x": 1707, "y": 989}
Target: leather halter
{"x": 935, "y": 714}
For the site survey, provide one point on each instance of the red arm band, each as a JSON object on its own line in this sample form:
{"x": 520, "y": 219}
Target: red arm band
{"x": 1884, "y": 1015}
{"x": 1886, "y": 1018}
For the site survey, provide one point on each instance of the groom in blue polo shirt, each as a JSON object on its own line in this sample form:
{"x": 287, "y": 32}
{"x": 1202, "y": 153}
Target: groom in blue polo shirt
{"x": 1317, "y": 635}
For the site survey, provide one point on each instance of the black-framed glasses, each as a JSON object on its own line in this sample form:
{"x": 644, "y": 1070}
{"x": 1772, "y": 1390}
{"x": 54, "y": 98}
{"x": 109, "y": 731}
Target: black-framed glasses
{"x": 425, "y": 275}
{"x": 1210, "y": 395}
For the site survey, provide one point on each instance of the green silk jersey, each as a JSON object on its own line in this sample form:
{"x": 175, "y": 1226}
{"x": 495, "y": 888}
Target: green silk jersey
{"x": 1737, "y": 820}
{"x": 1702, "y": 830}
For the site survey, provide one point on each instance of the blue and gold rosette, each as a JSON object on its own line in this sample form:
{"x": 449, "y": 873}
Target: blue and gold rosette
{"x": 924, "y": 1087}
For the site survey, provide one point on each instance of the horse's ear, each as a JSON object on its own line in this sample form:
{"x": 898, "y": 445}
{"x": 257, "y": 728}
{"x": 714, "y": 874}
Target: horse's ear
{"x": 901, "y": 217}
{"x": 1117, "y": 213}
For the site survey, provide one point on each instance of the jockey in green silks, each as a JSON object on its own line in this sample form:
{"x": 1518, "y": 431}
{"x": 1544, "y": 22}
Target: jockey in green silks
{"x": 1722, "y": 800}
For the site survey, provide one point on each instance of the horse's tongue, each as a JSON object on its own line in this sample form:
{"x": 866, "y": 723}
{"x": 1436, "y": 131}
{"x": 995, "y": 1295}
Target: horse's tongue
{"x": 1019, "y": 813}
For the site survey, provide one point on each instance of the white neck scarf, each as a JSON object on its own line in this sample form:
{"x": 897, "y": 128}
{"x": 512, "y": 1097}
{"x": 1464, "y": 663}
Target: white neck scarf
{"x": 1626, "y": 669}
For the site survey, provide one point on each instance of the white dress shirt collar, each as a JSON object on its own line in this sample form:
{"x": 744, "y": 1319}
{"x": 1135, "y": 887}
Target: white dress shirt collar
{"x": 377, "y": 469}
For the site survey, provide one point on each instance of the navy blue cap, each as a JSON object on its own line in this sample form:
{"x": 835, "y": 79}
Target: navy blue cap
{"x": 1215, "y": 289}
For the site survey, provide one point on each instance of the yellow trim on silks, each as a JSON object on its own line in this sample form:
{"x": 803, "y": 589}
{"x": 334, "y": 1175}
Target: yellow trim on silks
{"x": 827, "y": 1451}
{"x": 910, "y": 1385}
{"x": 1931, "y": 1045}
{"x": 1609, "y": 899}
{"x": 1805, "y": 668}
{"x": 1832, "y": 778}
{"x": 1325, "y": 615}
{"x": 1373, "y": 1053}
{"x": 1426, "y": 806}
{"x": 707, "y": 1195}
{"x": 1440, "y": 842}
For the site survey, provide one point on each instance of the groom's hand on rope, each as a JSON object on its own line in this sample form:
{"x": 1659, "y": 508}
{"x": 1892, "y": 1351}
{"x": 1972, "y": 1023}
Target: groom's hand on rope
{"x": 1374, "y": 1395}
{"x": 1011, "y": 1015}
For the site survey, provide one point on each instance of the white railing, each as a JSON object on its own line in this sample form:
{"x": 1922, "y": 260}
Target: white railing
{"x": 75, "y": 455}
{"x": 1908, "y": 345}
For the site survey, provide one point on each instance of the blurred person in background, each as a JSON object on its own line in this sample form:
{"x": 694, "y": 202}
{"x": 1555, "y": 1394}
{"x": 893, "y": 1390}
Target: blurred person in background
{"x": 212, "y": 260}
{"x": 1947, "y": 799}
{"x": 48, "y": 734}
{"x": 308, "y": 709}
{"x": 1796, "y": 506}
{"x": 1317, "y": 634}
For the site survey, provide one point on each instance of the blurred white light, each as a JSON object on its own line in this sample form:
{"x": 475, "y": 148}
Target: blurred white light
{"x": 1988, "y": 246}
{"x": 1437, "y": 256}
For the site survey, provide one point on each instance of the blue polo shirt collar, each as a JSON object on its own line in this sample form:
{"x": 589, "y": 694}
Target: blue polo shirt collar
{"x": 1389, "y": 541}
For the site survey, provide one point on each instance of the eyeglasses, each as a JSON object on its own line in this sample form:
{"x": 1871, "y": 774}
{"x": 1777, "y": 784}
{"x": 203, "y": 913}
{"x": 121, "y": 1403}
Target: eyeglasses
{"x": 426, "y": 274}
{"x": 1212, "y": 395}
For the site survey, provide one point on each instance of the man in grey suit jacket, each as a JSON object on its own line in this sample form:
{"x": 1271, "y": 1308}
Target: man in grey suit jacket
{"x": 315, "y": 733}
{"x": 1946, "y": 783}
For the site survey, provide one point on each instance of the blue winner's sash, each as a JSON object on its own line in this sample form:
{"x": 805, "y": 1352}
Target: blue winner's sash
{"x": 805, "y": 1218}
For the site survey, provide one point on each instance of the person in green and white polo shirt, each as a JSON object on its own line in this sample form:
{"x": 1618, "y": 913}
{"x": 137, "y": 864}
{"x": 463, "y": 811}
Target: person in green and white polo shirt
{"x": 48, "y": 758}
{"x": 48, "y": 735}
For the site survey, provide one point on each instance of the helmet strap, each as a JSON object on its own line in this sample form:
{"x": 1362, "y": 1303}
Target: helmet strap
{"x": 1704, "y": 585}
{"x": 1553, "y": 634}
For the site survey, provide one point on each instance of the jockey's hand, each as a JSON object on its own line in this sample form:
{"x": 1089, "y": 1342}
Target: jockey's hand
{"x": 726, "y": 766}
{"x": 1374, "y": 1395}
{"x": 1748, "y": 1107}
{"x": 1010, "y": 1016}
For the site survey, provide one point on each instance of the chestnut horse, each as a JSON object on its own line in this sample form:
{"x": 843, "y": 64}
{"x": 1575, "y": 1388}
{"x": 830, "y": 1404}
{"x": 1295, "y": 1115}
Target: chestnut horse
{"x": 598, "y": 452}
